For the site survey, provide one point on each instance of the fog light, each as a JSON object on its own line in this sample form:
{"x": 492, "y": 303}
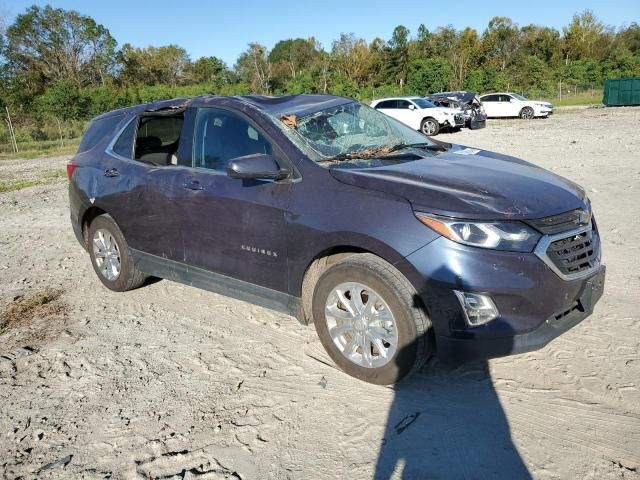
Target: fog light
{"x": 478, "y": 309}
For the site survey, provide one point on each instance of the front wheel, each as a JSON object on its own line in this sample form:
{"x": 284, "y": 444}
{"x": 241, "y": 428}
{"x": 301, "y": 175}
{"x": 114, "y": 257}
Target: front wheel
{"x": 430, "y": 126}
{"x": 370, "y": 320}
{"x": 526, "y": 113}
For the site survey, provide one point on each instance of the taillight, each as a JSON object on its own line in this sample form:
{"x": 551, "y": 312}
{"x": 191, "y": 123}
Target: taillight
{"x": 71, "y": 167}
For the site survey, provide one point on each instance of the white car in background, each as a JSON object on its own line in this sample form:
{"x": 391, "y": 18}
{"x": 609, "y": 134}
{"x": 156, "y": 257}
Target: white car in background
{"x": 420, "y": 114}
{"x": 514, "y": 105}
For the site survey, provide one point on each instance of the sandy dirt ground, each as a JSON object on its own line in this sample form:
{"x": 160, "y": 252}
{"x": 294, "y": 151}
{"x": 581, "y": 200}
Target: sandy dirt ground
{"x": 168, "y": 381}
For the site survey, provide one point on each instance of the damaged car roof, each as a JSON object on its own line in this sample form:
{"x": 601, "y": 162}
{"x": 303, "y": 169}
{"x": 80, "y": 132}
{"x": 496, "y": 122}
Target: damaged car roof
{"x": 462, "y": 96}
{"x": 298, "y": 105}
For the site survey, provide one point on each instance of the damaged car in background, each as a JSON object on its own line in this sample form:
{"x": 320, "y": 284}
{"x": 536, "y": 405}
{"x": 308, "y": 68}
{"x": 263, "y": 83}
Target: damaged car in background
{"x": 396, "y": 247}
{"x": 466, "y": 102}
{"x": 421, "y": 114}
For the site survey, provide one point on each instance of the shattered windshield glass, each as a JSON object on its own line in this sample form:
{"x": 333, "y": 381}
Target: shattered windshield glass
{"x": 351, "y": 132}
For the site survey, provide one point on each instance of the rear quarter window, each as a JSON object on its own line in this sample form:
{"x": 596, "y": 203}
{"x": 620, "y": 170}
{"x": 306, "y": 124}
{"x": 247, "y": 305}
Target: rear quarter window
{"x": 124, "y": 144}
{"x": 98, "y": 129}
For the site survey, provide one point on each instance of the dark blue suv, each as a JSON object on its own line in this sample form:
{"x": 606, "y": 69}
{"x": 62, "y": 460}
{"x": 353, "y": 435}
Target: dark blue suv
{"x": 393, "y": 245}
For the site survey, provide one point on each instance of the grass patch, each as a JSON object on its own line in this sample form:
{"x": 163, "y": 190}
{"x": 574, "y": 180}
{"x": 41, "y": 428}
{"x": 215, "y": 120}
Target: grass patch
{"x": 40, "y": 149}
{"x": 50, "y": 176}
{"x": 577, "y": 101}
{"x": 25, "y": 309}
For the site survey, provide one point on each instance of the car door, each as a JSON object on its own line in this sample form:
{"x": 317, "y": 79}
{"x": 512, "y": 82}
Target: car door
{"x": 407, "y": 114}
{"x": 142, "y": 196}
{"x": 509, "y": 105}
{"x": 233, "y": 227}
{"x": 491, "y": 105}
{"x": 390, "y": 107}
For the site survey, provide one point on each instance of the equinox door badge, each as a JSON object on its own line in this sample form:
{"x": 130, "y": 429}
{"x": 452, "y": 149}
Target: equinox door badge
{"x": 261, "y": 251}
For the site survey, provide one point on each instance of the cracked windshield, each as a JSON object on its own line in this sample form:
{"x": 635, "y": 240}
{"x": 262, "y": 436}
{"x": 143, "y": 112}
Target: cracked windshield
{"x": 356, "y": 136}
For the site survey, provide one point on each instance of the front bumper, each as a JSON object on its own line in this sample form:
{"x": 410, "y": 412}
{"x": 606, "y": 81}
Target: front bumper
{"x": 460, "y": 350}
{"x": 535, "y": 305}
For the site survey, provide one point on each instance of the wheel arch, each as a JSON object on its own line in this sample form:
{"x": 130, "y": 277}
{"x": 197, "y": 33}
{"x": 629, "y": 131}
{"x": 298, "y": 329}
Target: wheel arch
{"x": 89, "y": 216}
{"x": 304, "y": 284}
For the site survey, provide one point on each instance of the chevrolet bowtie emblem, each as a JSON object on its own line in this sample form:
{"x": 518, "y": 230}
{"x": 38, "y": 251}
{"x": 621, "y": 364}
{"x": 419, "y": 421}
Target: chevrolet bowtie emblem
{"x": 584, "y": 217}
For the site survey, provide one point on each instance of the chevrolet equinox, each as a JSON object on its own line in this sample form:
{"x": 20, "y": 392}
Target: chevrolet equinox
{"x": 394, "y": 245}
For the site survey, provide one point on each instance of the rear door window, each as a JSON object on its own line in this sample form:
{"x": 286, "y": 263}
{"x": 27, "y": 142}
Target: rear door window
{"x": 387, "y": 104}
{"x": 157, "y": 139}
{"x": 98, "y": 130}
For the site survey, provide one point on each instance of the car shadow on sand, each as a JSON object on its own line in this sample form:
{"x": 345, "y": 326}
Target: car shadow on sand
{"x": 448, "y": 423}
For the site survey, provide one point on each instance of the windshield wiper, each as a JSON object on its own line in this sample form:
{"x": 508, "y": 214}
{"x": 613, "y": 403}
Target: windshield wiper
{"x": 382, "y": 152}
{"x": 341, "y": 157}
{"x": 428, "y": 146}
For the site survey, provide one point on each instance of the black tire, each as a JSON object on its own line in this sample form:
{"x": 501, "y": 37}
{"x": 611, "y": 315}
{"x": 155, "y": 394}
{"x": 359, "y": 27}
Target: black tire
{"x": 526, "y": 113}
{"x": 428, "y": 125}
{"x": 414, "y": 343}
{"x": 129, "y": 277}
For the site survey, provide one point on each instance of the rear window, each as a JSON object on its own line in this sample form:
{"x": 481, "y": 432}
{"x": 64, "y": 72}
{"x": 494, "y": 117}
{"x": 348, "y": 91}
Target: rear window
{"x": 98, "y": 129}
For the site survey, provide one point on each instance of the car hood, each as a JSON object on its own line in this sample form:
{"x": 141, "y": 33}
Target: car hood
{"x": 471, "y": 183}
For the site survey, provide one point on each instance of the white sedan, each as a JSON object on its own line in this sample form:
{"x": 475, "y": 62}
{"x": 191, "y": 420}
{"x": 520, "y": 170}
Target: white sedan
{"x": 420, "y": 114}
{"x": 514, "y": 105}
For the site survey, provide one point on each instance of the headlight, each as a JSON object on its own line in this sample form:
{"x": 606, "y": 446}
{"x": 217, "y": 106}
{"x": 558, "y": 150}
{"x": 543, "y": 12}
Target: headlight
{"x": 512, "y": 236}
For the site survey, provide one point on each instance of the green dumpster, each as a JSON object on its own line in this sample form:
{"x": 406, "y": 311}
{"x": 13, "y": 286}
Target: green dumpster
{"x": 622, "y": 91}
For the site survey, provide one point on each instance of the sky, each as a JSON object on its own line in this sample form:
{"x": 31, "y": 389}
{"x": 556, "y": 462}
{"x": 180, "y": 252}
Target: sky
{"x": 224, "y": 29}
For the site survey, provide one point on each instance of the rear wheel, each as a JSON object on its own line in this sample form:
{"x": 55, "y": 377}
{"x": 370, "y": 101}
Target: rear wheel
{"x": 370, "y": 321}
{"x": 430, "y": 126}
{"x": 526, "y": 113}
{"x": 110, "y": 256}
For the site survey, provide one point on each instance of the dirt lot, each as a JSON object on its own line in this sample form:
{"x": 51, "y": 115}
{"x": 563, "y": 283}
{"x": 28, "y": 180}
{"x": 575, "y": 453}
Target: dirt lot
{"x": 173, "y": 382}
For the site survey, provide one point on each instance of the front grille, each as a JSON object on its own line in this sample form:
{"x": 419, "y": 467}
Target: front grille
{"x": 561, "y": 222}
{"x": 459, "y": 118}
{"x": 576, "y": 253}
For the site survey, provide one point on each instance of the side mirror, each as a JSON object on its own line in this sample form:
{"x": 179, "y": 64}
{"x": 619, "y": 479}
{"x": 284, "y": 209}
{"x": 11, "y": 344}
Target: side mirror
{"x": 257, "y": 167}
{"x": 412, "y": 107}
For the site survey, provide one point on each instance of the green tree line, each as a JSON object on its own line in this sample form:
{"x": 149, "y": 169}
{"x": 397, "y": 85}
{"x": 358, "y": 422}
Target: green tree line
{"x": 59, "y": 68}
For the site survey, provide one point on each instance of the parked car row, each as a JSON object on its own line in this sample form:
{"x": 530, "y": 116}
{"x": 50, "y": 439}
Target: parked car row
{"x": 451, "y": 111}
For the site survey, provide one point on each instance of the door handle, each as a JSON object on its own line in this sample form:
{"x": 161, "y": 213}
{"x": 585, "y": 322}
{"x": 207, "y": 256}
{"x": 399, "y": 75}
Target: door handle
{"x": 194, "y": 185}
{"x": 111, "y": 172}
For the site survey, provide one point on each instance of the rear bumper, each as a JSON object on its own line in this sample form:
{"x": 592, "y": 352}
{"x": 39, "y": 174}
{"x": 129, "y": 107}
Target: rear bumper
{"x": 477, "y": 123}
{"x": 77, "y": 207}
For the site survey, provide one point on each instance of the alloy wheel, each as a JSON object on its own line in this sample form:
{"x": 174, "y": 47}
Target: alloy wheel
{"x": 429, "y": 127}
{"x": 361, "y": 325}
{"x": 107, "y": 254}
